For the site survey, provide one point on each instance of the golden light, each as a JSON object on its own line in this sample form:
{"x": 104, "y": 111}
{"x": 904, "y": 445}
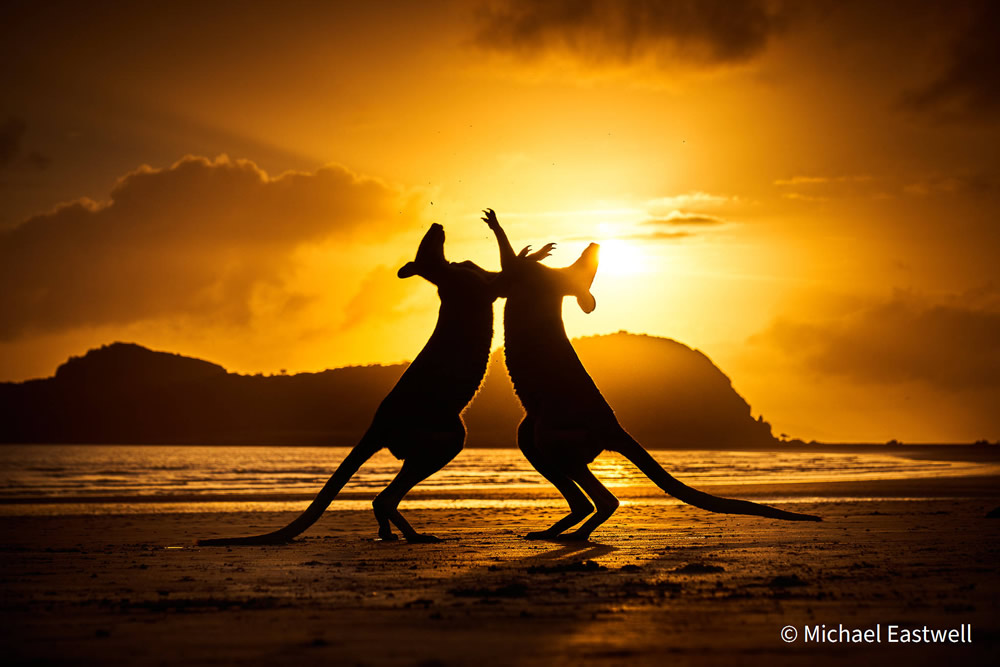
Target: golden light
{"x": 622, "y": 258}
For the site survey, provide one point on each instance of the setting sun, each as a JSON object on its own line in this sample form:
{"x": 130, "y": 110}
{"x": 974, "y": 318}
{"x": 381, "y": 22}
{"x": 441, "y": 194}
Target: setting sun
{"x": 620, "y": 257}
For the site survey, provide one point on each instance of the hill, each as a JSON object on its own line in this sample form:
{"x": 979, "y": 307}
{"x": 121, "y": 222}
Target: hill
{"x": 665, "y": 393}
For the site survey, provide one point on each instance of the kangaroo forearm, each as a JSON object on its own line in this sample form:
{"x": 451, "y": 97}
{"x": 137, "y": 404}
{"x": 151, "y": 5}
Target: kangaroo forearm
{"x": 506, "y": 250}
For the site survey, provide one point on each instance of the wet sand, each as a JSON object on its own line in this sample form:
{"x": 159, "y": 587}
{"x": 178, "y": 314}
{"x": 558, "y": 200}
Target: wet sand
{"x": 658, "y": 584}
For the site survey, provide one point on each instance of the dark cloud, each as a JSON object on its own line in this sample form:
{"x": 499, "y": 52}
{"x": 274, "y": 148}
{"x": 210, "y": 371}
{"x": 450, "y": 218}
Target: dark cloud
{"x": 701, "y": 32}
{"x": 677, "y": 218}
{"x": 11, "y": 133}
{"x": 36, "y": 160}
{"x": 197, "y": 240}
{"x": 967, "y": 87}
{"x": 952, "y": 345}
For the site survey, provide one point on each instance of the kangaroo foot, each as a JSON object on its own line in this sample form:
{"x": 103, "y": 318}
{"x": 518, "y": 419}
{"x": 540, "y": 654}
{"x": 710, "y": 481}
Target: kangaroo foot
{"x": 386, "y": 535}
{"x": 547, "y": 534}
{"x": 423, "y": 538}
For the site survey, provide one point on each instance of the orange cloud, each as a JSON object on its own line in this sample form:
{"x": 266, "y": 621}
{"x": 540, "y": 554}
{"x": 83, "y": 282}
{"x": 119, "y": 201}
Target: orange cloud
{"x": 691, "y": 200}
{"x": 676, "y": 218}
{"x": 381, "y": 294}
{"x": 822, "y": 180}
{"x": 199, "y": 240}
{"x": 659, "y": 236}
{"x": 815, "y": 189}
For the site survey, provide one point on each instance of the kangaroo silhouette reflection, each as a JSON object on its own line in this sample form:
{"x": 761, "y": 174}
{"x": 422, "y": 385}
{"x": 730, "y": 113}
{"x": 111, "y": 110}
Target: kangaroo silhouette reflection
{"x": 420, "y": 419}
{"x": 568, "y": 423}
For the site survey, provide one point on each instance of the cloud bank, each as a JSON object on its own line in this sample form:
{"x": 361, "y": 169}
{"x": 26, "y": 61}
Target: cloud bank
{"x": 951, "y": 344}
{"x": 201, "y": 240}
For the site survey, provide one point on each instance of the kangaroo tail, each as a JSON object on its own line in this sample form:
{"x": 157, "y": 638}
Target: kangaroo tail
{"x": 635, "y": 453}
{"x": 363, "y": 451}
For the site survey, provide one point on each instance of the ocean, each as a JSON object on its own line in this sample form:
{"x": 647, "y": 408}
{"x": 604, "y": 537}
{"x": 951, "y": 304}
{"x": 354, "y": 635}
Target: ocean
{"x": 95, "y": 479}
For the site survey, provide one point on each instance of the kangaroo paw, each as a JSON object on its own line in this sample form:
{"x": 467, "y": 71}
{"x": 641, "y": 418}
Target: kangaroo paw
{"x": 387, "y": 535}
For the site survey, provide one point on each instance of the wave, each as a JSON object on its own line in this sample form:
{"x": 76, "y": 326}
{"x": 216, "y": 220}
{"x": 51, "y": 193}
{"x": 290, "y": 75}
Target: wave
{"x": 121, "y": 474}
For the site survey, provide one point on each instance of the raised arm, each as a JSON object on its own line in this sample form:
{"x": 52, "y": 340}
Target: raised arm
{"x": 506, "y": 251}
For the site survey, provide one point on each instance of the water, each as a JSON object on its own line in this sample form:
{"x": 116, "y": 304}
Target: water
{"x": 106, "y": 478}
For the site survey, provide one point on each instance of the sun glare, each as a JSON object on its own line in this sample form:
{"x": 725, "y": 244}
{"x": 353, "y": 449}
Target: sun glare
{"x": 622, "y": 258}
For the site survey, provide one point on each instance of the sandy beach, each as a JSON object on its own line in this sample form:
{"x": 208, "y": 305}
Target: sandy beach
{"x": 659, "y": 583}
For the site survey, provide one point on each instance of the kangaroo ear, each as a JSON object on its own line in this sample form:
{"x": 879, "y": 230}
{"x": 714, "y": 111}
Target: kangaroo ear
{"x": 587, "y": 302}
{"x": 584, "y": 269}
{"x": 430, "y": 256}
{"x": 581, "y": 276}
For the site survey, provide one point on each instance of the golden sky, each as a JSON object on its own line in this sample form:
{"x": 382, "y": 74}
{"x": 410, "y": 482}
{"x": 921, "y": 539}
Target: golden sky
{"x": 806, "y": 192}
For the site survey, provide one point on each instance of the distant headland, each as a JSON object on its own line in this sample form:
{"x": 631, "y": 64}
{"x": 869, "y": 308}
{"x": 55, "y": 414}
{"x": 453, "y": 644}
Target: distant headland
{"x": 667, "y": 394}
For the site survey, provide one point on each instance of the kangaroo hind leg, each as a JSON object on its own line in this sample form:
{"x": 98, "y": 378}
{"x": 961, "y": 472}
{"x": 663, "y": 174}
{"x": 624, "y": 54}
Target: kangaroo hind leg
{"x": 579, "y": 506}
{"x": 606, "y": 503}
{"x": 417, "y": 467}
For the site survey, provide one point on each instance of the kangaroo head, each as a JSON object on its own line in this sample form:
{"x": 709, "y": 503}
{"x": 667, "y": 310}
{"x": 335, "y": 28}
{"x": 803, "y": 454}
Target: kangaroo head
{"x": 461, "y": 280}
{"x": 525, "y": 276}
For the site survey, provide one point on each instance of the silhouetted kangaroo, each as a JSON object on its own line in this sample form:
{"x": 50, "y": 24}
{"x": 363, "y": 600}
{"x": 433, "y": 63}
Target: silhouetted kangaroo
{"x": 419, "y": 420}
{"x": 567, "y": 422}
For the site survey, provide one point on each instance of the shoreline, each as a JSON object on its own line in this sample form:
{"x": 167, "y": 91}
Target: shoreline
{"x": 948, "y": 451}
{"x": 941, "y": 486}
